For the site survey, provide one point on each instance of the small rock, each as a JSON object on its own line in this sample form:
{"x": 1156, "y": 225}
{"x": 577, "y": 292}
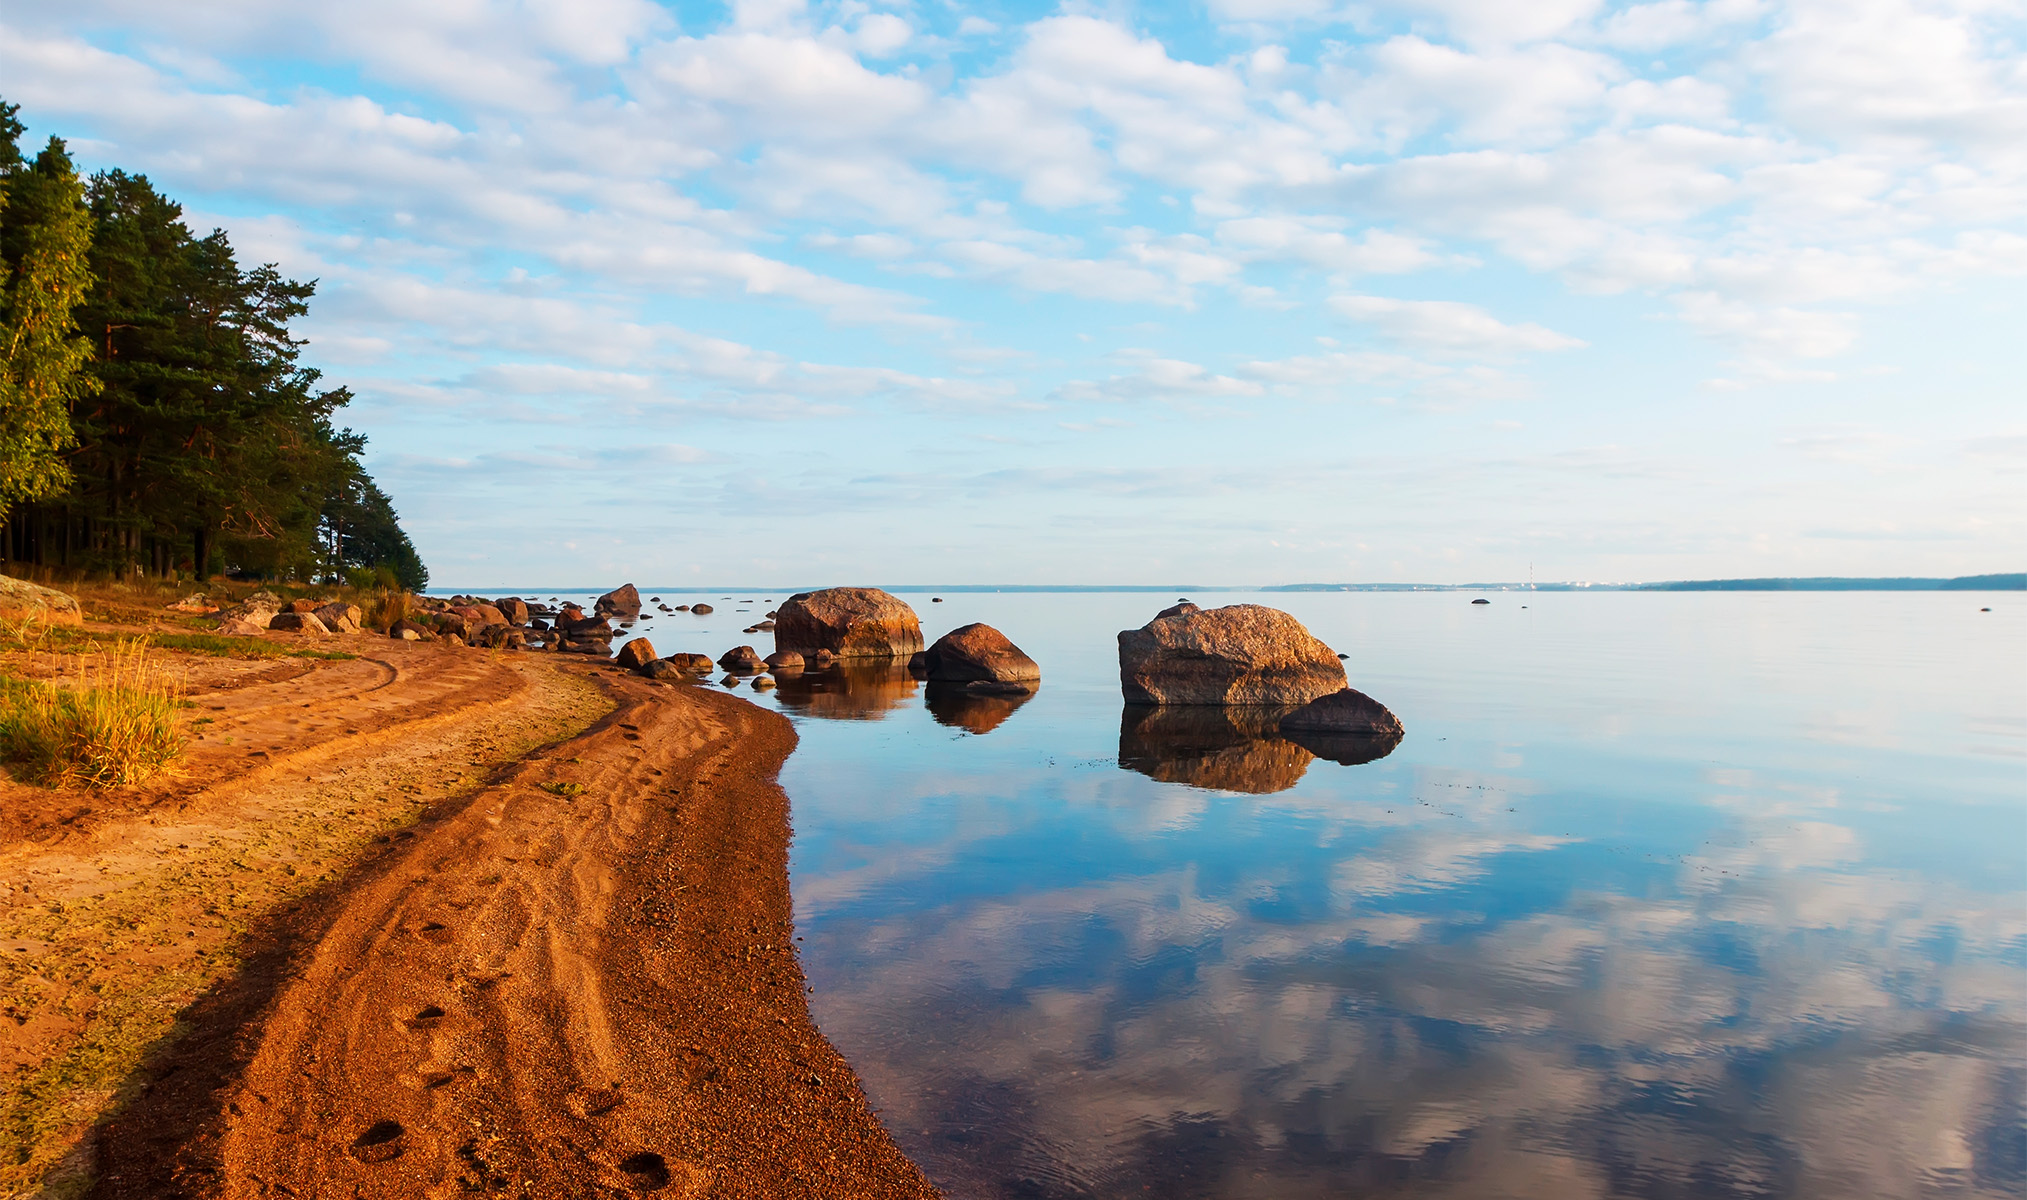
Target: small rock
{"x": 743, "y": 660}
{"x": 763, "y": 684}
{"x": 1481, "y": 602}
{"x": 239, "y": 627}
{"x": 1345, "y": 711}
{"x": 784, "y": 660}
{"x": 694, "y": 664}
{"x": 700, "y": 609}
{"x": 730, "y": 681}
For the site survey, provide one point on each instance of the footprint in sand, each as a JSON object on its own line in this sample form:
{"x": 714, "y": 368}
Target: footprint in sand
{"x": 382, "y": 1141}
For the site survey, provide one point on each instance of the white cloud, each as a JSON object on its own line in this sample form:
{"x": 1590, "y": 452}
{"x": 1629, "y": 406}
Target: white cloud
{"x": 1449, "y": 327}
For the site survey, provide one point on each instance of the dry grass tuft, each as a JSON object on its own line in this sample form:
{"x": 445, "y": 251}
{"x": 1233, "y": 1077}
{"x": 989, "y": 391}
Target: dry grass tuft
{"x": 115, "y": 725}
{"x": 383, "y": 609}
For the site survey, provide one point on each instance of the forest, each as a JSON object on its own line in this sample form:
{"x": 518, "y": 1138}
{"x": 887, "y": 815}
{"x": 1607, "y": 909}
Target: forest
{"x": 155, "y": 417}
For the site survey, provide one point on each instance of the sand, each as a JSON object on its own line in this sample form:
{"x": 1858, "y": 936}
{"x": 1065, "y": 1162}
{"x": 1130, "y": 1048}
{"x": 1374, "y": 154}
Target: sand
{"x": 422, "y": 932}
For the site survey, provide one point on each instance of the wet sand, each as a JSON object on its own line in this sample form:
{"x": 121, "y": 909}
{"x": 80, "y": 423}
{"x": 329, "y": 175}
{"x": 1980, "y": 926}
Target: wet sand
{"x": 565, "y": 969}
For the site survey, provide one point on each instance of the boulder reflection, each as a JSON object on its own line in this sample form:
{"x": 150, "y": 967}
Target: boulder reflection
{"x": 1224, "y": 749}
{"x": 953, "y": 705}
{"x": 854, "y": 690}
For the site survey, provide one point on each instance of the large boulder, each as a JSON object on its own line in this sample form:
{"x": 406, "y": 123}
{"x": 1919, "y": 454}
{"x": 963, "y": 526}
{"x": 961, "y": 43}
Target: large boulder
{"x": 972, "y": 652}
{"x": 637, "y": 653}
{"x": 849, "y": 622}
{"x": 21, "y": 600}
{"x": 692, "y": 664}
{"x": 1239, "y": 655}
{"x": 622, "y": 602}
{"x": 513, "y": 608}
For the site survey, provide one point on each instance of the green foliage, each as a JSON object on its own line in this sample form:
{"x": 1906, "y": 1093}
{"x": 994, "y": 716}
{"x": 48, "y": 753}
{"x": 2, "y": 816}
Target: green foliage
{"x": 195, "y": 436}
{"x": 116, "y": 725}
{"x": 45, "y": 238}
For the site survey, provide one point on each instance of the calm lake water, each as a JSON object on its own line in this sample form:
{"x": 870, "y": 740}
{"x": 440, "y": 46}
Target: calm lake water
{"x": 1663, "y": 895}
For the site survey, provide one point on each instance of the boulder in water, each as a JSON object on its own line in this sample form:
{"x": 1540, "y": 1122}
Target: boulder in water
{"x": 1239, "y": 655}
{"x": 978, "y": 652}
{"x": 742, "y": 660}
{"x": 622, "y": 601}
{"x": 849, "y": 622}
{"x": 1346, "y": 710}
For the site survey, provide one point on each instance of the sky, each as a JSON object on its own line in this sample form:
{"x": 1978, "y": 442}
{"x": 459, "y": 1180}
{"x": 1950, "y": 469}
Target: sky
{"x": 1232, "y": 292}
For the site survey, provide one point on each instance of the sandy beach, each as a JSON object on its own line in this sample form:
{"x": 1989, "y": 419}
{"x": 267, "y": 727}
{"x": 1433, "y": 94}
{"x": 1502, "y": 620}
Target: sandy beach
{"x": 427, "y": 921}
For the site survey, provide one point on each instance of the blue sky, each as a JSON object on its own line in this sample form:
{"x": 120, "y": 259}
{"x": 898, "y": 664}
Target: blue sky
{"x": 1248, "y": 291}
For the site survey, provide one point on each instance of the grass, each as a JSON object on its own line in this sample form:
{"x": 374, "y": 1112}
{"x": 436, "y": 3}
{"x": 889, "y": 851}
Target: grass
{"x": 116, "y": 725}
{"x": 69, "y": 639}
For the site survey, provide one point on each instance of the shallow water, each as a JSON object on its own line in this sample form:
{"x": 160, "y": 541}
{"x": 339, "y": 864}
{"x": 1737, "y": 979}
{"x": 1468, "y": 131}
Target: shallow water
{"x": 1663, "y": 895}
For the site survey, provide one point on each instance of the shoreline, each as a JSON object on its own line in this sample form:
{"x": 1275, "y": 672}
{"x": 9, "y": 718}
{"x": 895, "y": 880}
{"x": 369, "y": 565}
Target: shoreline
{"x": 573, "y": 975}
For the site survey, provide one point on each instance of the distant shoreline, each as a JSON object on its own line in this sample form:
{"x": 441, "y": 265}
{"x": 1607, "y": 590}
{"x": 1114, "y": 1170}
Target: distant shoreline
{"x": 2013, "y": 582}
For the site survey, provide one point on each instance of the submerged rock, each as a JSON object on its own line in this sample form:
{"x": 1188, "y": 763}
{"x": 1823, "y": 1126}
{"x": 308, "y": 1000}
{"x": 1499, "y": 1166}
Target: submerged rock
{"x": 978, "y": 652}
{"x": 849, "y": 622}
{"x": 1239, "y": 655}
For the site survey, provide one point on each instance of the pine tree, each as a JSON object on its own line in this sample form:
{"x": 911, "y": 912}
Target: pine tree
{"x": 45, "y": 240}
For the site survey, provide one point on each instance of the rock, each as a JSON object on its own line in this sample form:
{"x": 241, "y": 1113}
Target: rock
{"x": 662, "y": 668}
{"x": 743, "y": 660}
{"x": 764, "y": 627}
{"x": 239, "y": 627}
{"x": 772, "y": 613}
{"x": 819, "y": 659}
{"x": 978, "y": 652}
{"x": 297, "y": 622}
{"x": 784, "y": 660}
{"x": 699, "y": 609}
{"x": 340, "y": 617}
{"x": 538, "y": 625}
{"x": 585, "y": 628}
{"x": 514, "y": 608}
{"x": 763, "y": 684}
{"x": 1242, "y": 654}
{"x": 498, "y": 636}
{"x": 1177, "y": 610}
{"x": 480, "y": 614}
{"x": 300, "y": 606}
{"x": 637, "y": 653}
{"x": 21, "y": 600}
{"x": 849, "y": 622}
{"x": 622, "y": 601}
{"x": 1344, "y": 711}
{"x": 918, "y": 664}
{"x": 935, "y": 599}
{"x": 730, "y": 681}
{"x": 196, "y": 602}
{"x": 405, "y": 635}
{"x": 451, "y": 639}
{"x": 1481, "y": 601}
{"x": 695, "y": 664}
{"x": 258, "y": 608}
{"x": 410, "y": 631}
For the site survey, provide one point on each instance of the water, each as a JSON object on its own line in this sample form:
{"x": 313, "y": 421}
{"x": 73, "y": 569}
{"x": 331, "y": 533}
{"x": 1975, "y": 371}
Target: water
{"x": 1663, "y": 895}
